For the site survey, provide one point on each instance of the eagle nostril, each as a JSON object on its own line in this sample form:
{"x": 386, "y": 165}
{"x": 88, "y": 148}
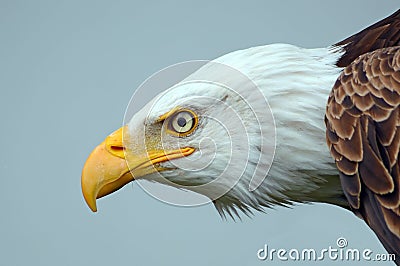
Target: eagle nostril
{"x": 117, "y": 148}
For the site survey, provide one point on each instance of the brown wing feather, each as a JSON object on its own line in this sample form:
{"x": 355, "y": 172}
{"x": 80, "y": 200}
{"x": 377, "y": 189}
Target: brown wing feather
{"x": 385, "y": 33}
{"x": 363, "y": 134}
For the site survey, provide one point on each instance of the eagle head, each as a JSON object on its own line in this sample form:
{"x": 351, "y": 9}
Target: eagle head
{"x": 204, "y": 134}
{"x": 214, "y": 133}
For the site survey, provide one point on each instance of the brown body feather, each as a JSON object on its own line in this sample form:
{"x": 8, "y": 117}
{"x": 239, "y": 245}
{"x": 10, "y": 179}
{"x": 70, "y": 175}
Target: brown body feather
{"x": 363, "y": 134}
{"x": 385, "y": 33}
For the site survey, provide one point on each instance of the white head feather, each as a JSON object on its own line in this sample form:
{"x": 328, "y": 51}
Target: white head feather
{"x": 236, "y": 135}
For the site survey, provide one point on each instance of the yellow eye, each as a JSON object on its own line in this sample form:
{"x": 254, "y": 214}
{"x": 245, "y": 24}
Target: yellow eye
{"x": 182, "y": 122}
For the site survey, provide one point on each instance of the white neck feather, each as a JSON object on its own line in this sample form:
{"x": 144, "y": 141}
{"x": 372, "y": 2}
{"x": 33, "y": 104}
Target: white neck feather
{"x": 296, "y": 83}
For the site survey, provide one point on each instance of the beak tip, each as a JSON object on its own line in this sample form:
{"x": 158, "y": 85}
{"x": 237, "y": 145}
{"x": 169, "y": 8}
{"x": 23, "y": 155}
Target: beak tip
{"x": 91, "y": 203}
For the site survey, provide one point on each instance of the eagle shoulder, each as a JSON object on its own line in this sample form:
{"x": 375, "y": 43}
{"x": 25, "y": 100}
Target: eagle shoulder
{"x": 363, "y": 134}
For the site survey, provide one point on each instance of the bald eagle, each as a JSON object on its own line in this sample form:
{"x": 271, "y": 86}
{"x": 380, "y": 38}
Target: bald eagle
{"x": 272, "y": 109}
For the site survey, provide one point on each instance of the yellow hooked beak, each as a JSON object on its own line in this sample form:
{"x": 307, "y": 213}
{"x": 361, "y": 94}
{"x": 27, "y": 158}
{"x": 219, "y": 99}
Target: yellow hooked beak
{"x": 108, "y": 169}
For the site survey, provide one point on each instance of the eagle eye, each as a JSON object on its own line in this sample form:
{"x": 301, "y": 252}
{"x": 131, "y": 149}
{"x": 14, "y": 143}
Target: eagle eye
{"x": 182, "y": 122}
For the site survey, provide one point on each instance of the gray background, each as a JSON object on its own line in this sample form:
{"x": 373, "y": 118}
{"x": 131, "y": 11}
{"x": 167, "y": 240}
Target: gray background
{"x": 67, "y": 71}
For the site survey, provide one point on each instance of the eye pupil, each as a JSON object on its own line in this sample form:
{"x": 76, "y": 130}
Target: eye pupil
{"x": 181, "y": 122}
